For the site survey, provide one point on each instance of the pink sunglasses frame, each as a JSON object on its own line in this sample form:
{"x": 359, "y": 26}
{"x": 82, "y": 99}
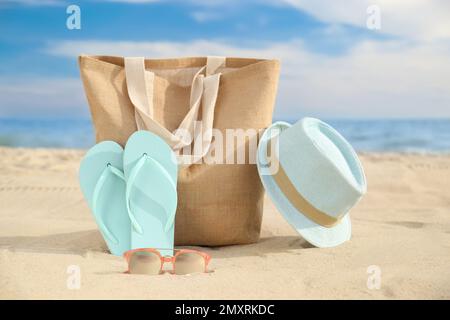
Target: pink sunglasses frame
{"x": 127, "y": 255}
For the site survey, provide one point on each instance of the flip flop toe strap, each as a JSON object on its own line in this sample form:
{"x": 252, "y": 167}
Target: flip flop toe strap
{"x": 170, "y": 212}
{"x": 107, "y": 172}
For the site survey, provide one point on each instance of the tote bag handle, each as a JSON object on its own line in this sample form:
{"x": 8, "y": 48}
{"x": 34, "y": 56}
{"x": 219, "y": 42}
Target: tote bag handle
{"x": 204, "y": 92}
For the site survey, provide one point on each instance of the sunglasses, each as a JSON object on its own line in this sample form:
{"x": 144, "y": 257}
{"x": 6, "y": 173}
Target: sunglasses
{"x": 149, "y": 261}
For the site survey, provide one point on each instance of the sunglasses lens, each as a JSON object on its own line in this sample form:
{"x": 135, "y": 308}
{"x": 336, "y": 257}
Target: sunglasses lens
{"x": 144, "y": 262}
{"x": 189, "y": 262}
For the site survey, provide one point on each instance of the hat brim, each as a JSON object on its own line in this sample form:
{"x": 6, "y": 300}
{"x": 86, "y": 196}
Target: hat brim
{"x": 315, "y": 234}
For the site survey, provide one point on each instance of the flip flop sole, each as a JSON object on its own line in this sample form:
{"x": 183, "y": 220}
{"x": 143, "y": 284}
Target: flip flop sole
{"x": 111, "y": 206}
{"x": 153, "y": 195}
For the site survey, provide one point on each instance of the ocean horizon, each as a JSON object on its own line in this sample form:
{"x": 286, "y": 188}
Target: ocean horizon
{"x": 423, "y": 136}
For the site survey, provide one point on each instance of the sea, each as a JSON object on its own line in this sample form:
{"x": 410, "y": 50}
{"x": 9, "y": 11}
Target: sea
{"x": 423, "y": 136}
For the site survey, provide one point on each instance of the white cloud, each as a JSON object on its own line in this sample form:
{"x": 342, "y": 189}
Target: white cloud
{"x": 39, "y": 96}
{"x": 206, "y": 16}
{"x": 373, "y": 79}
{"x": 412, "y": 19}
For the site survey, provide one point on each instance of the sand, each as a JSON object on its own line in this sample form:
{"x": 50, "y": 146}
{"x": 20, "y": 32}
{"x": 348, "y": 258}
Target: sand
{"x": 401, "y": 228}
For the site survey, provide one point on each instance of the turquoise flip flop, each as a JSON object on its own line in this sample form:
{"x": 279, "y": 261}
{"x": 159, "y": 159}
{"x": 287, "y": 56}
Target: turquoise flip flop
{"x": 151, "y": 171}
{"x": 103, "y": 185}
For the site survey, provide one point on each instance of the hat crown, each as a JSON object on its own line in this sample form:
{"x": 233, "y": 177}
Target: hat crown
{"x": 322, "y": 166}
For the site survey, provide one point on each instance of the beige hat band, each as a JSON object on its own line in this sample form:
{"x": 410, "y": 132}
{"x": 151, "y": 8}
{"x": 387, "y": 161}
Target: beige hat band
{"x": 298, "y": 201}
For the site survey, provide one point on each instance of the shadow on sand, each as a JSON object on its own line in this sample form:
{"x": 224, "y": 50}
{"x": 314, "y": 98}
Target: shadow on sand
{"x": 81, "y": 242}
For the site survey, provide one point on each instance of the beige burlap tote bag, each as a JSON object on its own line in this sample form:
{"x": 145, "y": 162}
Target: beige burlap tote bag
{"x": 201, "y": 107}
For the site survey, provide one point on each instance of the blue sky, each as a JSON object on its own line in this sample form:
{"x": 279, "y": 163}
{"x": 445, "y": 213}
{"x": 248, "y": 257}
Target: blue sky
{"x": 332, "y": 64}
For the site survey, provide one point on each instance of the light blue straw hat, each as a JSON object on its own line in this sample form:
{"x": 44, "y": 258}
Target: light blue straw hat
{"x": 313, "y": 177}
